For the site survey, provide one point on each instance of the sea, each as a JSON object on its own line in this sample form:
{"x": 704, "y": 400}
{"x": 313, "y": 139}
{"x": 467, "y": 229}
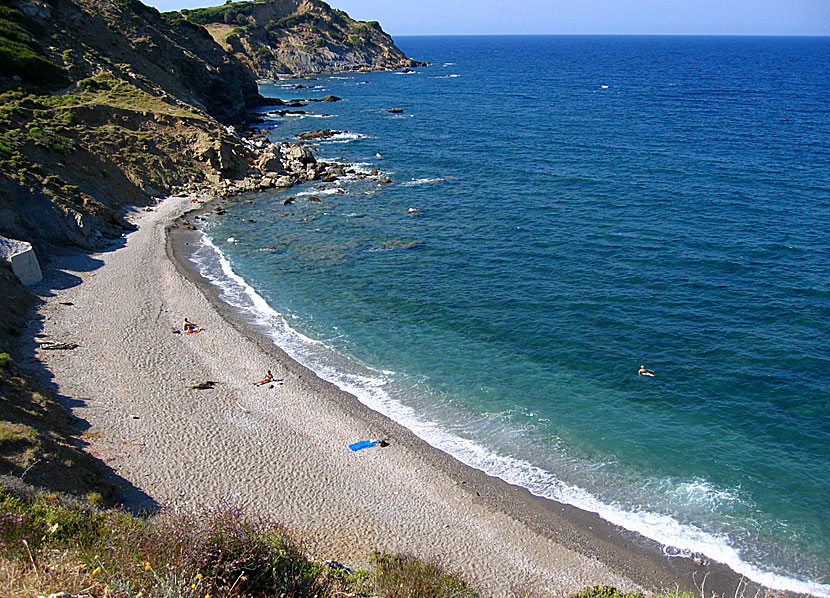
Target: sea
{"x": 525, "y": 222}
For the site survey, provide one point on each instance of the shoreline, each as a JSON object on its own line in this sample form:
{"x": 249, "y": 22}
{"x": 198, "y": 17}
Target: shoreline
{"x": 637, "y": 557}
{"x": 280, "y": 451}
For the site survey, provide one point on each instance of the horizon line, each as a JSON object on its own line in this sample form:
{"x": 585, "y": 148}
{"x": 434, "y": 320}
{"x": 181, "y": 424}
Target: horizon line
{"x": 816, "y": 35}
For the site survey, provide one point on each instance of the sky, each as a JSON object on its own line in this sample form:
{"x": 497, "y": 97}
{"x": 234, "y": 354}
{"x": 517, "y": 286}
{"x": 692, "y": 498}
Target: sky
{"x": 636, "y": 17}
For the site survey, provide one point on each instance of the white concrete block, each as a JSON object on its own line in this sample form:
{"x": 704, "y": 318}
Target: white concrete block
{"x": 23, "y": 260}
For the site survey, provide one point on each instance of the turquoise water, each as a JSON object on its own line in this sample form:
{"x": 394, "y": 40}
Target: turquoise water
{"x": 564, "y": 209}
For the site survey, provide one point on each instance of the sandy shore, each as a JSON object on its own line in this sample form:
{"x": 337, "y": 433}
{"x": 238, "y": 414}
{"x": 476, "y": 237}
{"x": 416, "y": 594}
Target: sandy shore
{"x": 281, "y": 450}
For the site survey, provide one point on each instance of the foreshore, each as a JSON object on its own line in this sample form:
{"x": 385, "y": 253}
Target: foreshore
{"x": 281, "y": 450}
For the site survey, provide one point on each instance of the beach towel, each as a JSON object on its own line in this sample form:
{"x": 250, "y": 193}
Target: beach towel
{"x": 363, "y": 444}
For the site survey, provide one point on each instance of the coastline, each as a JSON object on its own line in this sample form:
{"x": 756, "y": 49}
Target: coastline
{"x": 282, "y": 452}
{"x": 639, "y": 559}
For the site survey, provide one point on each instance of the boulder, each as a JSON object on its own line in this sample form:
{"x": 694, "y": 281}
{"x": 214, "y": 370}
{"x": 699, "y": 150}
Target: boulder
{"x": 270, "y": 161}
{"x": 298, "y": 154}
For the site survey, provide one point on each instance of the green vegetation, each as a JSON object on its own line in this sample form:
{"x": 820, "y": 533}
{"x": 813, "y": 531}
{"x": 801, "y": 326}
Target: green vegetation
{"x": 361, "y": 29}
{"x": 236, "y": 12}
{"x": 51, "y": 543}
{"x": 287, "y": 22}
{"x": 612, "y": 592}
{"x": 20, "y": 55}
{"x": 408, "y": 577}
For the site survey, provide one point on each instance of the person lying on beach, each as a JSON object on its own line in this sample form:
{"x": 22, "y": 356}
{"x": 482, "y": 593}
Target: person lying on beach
{"x": 643, "y": 371}
{"x": 268, "y": 378}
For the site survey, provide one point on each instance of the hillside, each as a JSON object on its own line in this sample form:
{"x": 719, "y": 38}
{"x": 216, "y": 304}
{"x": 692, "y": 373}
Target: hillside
{"x": 105, "y": 105}
{"x": 299, "y": 37}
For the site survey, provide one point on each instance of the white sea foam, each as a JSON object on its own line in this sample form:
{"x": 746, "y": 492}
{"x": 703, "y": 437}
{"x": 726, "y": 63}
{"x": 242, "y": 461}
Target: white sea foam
{"x": 422, "y": 181}
{"x": 275, "y": 115}
{"x": 344, "y": 137}
{"x": 329, "y": 191}
{"x": 373, "y": 388}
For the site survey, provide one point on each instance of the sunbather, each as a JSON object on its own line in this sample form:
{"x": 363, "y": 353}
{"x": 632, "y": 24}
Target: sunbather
{"x": 268, "y": 378}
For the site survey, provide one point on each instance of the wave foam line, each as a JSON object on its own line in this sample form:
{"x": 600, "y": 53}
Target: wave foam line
{"x": 371, "y": 391}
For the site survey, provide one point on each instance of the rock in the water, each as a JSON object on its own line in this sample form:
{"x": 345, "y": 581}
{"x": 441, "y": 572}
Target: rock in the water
{"x": 318, "y": 134}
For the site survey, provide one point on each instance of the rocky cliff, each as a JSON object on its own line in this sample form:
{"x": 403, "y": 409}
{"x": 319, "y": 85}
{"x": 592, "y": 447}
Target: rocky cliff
{"x": 106, "y": 104}
{"x": 299, "y": 37}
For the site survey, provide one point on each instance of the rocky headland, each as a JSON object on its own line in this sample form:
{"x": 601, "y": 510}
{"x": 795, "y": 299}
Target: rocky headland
{"x": 298, "y": 37}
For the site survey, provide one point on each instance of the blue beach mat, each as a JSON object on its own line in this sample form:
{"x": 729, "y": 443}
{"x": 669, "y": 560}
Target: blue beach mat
{"x": 363, "y": 444}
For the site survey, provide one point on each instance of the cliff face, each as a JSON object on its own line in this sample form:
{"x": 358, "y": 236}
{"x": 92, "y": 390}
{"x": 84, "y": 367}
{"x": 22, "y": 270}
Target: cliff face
{"x": 107, "y": 104}
{"x": 279, "y": 37}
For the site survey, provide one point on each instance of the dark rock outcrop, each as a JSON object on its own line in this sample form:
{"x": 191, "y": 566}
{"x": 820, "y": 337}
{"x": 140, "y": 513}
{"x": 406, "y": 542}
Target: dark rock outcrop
{"x": 317, "y": 134}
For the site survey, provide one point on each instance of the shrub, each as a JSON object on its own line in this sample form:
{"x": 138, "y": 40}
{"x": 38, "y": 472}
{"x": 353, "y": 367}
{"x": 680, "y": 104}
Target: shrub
{"x": 289, "y": 21}
{"x": 612, "y": 592}
{"x": 88, "y": 84}
{"x": 408, "y": 577}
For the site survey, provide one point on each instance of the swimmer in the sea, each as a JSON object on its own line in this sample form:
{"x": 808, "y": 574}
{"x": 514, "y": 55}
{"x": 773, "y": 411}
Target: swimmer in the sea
{"x": 644, "y": 371}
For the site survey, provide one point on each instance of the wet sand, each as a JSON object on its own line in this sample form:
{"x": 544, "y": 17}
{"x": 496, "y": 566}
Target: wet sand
{"x": 281, "y": 450}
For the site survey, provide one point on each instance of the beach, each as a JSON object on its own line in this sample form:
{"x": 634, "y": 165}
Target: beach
{"x": 280, "y": 450}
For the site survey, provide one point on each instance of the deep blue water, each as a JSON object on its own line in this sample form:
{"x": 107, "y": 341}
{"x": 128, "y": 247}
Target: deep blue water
{"x": 564, "y": 209}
